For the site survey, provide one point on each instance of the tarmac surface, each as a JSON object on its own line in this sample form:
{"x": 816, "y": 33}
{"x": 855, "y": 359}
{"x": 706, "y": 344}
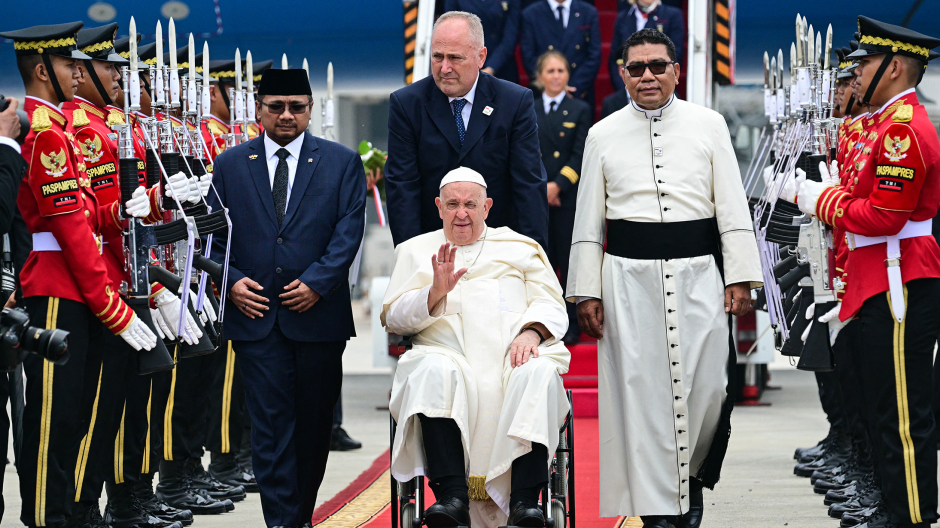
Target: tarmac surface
{"x": 757, "y": 489}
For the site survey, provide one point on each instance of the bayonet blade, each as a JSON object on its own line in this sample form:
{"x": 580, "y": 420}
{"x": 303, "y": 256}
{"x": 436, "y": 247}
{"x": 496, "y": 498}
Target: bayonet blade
{"x": 817, "y": 58}
{"x": 249, "y": 72}
{"x": 159, "y": 45}
{"x": 800, "y": 39}
{"x": 810, "y": 49}
{"x": 205, "y": 64}
{"x": 773, "y": 74}
{"x": 284, "y": 62}
{"x": 192, "y": 59}
{"x": 780, "y": 68}
{"x": 766, "y": 70}
{"x": 828, "y": 58}
{"x": 172, "y": 39}
{"x": 238, "y": 69}
{"x": 794, "y": 61}
{"x": 306, "y": 68}
{"x": 132, "y": 42}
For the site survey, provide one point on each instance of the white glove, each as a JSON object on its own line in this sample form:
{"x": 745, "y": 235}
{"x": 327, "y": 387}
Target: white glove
{"x": 830, "y": 175}
{"x": 138, "y": 336}
{"x": 170, "y": 306}
{"x": 810, "y": 312}
{"x": 159, "y": 324}
{"x": 195, "y": 194}
{"x": 139, "y": 205}
{"x": 208, "y": 314}
{"x": 205, "y": 181}
{"x": 177, "y": 186}
{"x": 792, "y": 186}
{"x": 835, "y": 325}
{"x": 808, "y": 195}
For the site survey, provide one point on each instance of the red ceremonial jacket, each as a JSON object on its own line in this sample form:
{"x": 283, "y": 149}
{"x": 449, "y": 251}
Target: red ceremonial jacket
{"x": 56, "y": 197}
{"x": 892, "y": 177}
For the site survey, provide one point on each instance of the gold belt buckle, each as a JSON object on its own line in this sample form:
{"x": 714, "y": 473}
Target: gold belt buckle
{"x": 850, "y": 240}
{"x": 892, "y": 262}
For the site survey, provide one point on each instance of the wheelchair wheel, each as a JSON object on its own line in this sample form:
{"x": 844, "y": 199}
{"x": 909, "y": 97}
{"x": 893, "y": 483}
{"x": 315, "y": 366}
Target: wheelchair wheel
{"x": 558, "y": 514}
{"x": 408, "y": 516}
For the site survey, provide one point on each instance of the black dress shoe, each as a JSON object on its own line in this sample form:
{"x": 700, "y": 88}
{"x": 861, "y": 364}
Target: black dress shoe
{"x": 447, "y": 513}
{"x": 176, "y": 488}
{"x": 218, "y": 491}
{"x": 226, "y": 469}
{"x": 520, "y": 515}
{"x": 850, "y": 520}
{"x": 125, "y": 511}
{"x": 143, "y": 490}
{"x": 341, "y": 440}
{"x": 86, "y": 515}
{"x": 656, "y": 522}
{"x": 572, "y": 336}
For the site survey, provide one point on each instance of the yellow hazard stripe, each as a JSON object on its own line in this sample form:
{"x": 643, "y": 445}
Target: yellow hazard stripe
{"x": 48, "y": 372}
{"x": 227, "y": 397}
{"x": 85, "y": 447}
{"x": 904, "y": 417}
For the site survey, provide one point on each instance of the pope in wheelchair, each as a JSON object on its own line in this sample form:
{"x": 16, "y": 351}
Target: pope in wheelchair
{"x": 478, "y": 399}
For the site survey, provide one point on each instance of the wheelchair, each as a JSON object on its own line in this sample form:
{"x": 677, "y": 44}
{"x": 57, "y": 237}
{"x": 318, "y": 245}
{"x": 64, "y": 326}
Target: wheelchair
{"x": 557, "y": 498}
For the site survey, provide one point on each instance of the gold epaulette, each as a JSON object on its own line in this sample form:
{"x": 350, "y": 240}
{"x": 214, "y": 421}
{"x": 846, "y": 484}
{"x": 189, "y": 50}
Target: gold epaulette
{"x": 115, "y": 118}
{"x": 79, "y": 118}
{"x": 903, "y": 114}
{"x": 40, "y": 121}
{"x": 216, "y": 128}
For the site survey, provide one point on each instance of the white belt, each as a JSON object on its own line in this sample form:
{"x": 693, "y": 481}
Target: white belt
{"x": 45, "y": 241}
{"x": 893, "y": 262}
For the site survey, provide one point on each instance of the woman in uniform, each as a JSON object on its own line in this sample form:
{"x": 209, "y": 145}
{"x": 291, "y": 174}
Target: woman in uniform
{"x": 563, "y": 127}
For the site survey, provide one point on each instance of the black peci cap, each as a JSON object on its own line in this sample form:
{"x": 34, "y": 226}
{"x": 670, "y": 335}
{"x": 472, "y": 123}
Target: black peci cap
{"x": 284, "y": 82}
{"x": 876, "y": 38}
{"x": 98, "y": 43}
{"x": 56, "y": 39}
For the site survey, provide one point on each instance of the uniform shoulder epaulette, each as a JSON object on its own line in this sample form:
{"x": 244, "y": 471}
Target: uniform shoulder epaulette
{"x": 903, "y": 114}
{"x": 216, "y": 128}
{"x": 856, "y": 126}
{"x": 40, "y": 120}
{"x": 115, "y": 118}
{"x": 79, "y": 118}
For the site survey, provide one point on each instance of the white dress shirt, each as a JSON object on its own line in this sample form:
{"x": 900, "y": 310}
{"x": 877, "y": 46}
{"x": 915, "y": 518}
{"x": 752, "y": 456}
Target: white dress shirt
{"x": 465, "y": 113}
{"x": 10, "y": 142}
{"x": 547, "y": 101}
{"x": 271, "y": 148}
{"x": 564, "y": 12}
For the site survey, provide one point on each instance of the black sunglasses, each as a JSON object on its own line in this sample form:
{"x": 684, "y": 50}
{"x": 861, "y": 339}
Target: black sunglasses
{"x": 656, "y": 68}
{"x": 295, "y": 108}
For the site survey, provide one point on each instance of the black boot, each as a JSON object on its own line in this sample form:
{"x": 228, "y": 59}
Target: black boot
{"x": 203, "y": 480}
{"x": 125, "y": 511}
{"x": 143, "y": 490}
{"x": 226, "y": 469}
{"x": 341, "y": 440}
{"x": 176, "y": 488}
{"x": 85, "y": 515}
{"x": 693, "y": 517}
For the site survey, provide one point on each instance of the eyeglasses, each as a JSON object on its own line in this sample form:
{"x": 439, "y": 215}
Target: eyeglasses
{"x": 295, "y": 108}
{"x": 656, "y": 68}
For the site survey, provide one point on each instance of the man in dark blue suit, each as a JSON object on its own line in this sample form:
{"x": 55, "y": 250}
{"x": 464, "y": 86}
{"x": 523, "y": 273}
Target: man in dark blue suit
{"x": 644, "y": 14}
{"x": 461, "y": 116}
{"x": 297, "y": 205}
{"x": 571, "y": 27}
{"x": 501, "y": 22}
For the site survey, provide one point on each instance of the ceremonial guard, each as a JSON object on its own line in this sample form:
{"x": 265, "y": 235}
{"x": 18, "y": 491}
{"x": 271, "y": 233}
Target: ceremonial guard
{"x": 568, "y": 26}
{"x": 884, "y": 202}
{"x": 660, "y": 183}
{"x": 222, "y": 75}
{"x": 563, "y": 125}
{"x": 64, "y": 278}
{"x": 501, "y": 22}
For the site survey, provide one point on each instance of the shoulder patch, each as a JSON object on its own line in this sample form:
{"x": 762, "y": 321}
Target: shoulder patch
{"x": 903, "y": 114}
{"x": 79, "y": 118}
{"x": 40, "y": 120}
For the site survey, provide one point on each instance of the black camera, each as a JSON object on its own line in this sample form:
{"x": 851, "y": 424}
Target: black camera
{"x": 17, "y": 339}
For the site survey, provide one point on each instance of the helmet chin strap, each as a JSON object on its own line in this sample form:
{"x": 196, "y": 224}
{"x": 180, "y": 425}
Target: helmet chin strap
{"x": 866, "y": 100}
{"x": 146, "y": 84}
{"x": 94, "y": 78}
{"x": 849, "y": 106}
{"x": 47, "y": 60}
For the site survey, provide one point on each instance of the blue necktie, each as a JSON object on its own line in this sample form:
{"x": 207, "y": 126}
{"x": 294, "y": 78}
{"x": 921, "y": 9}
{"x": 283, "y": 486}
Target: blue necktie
{"x": 458, "y": 115}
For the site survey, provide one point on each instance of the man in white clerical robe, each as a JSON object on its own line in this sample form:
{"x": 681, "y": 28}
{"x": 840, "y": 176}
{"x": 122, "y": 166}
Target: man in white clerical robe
{"x": 478, "y": 399}
{"x": 661, "y": 186}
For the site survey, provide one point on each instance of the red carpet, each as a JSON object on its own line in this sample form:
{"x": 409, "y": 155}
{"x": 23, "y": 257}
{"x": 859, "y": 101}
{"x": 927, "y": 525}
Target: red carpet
{"x": 365, "y": 502}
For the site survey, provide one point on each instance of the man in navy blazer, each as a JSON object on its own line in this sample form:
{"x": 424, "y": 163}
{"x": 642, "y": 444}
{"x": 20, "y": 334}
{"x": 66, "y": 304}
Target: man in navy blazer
{"x": 577, "y": 34}
{"x": 461, "y": 116}
{"x": 297, "y": 205}
{"x": 656, "y": 15}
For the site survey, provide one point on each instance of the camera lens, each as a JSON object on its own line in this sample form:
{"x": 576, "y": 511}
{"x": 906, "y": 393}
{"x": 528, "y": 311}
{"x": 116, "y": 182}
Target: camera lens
{"x": 49, "y": 344}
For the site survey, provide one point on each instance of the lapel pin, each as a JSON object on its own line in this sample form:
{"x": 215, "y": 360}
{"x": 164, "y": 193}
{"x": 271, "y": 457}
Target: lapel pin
{"x": 488, "y": 110}
{"x": 253, "y": 156}
{"x": 309, "y": 160}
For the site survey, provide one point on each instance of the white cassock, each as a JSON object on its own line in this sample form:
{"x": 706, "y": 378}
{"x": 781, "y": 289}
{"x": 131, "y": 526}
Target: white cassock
{"x": 459, "y": 368}
{"x": 663, "y": 359}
